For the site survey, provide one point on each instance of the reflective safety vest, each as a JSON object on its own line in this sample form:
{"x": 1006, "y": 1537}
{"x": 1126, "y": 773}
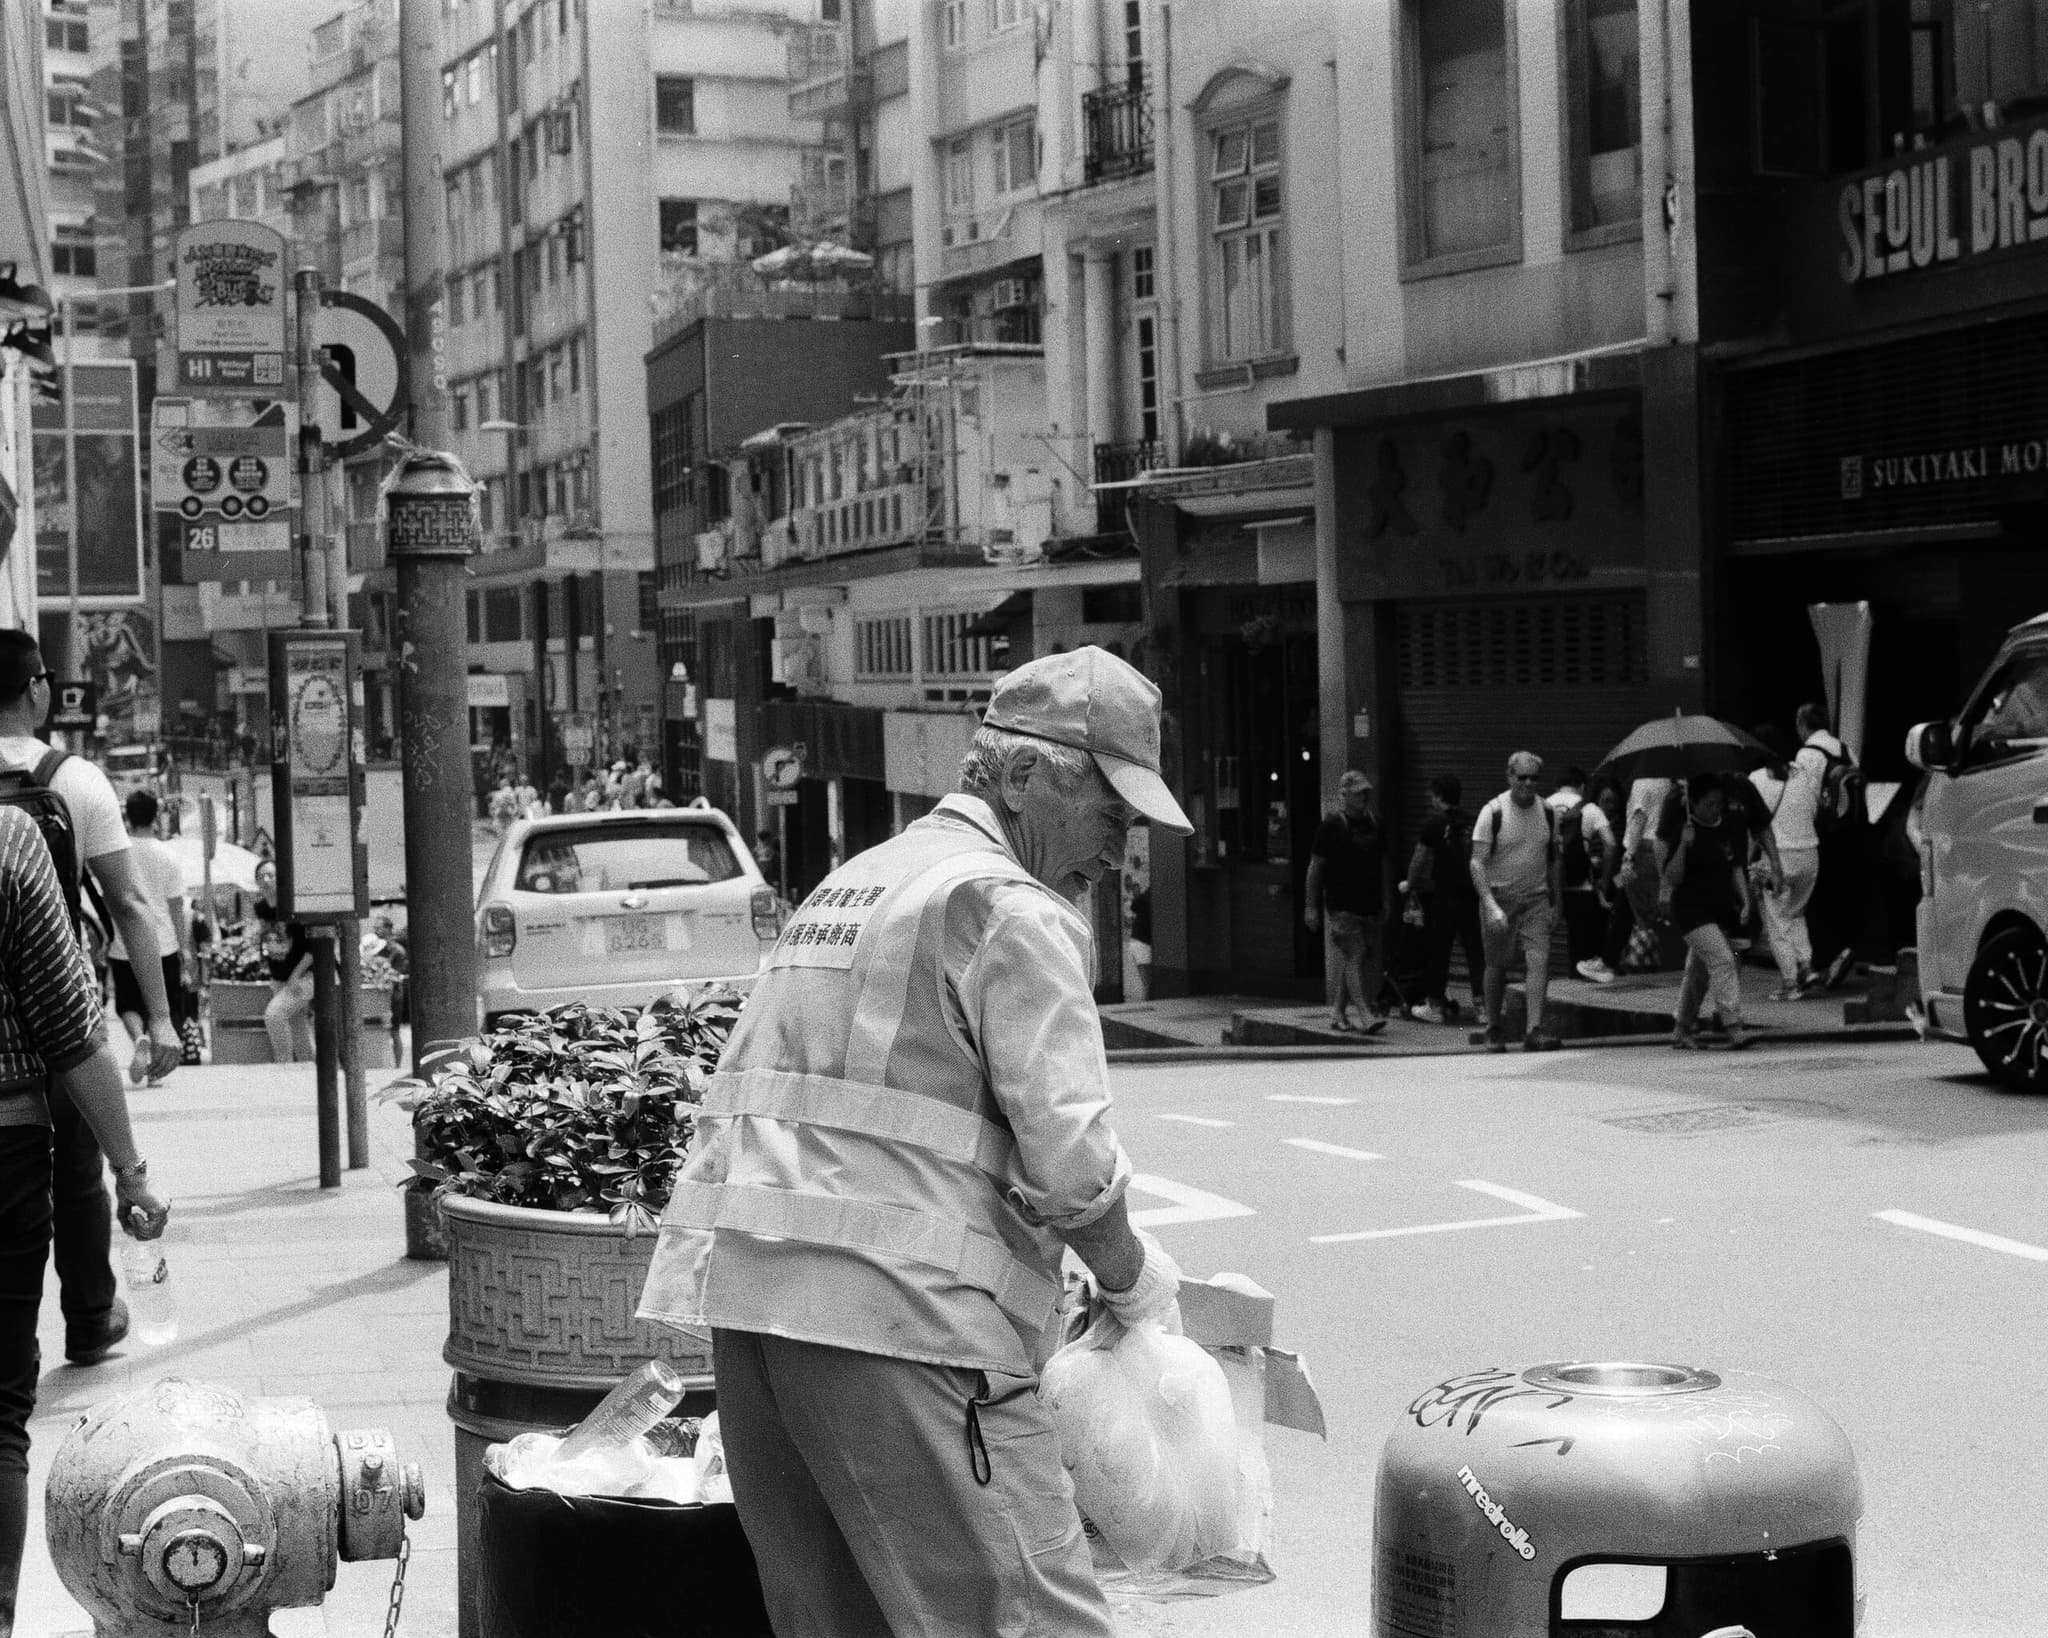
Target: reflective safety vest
{"x": 852, "y": 1180}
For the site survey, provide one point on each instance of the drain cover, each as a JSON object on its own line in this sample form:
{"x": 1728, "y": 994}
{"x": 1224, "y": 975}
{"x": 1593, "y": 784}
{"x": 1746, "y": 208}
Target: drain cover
{"x": 1721, "y": 1117}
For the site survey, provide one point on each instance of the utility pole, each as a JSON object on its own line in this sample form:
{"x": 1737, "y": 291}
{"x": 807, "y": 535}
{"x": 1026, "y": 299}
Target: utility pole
{"x": 430, "y": 637}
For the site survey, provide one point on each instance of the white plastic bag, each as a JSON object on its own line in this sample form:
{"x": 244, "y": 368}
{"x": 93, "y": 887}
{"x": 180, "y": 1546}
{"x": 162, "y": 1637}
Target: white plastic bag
{"x": 1147, "y": 1428}
{"x": 636, "y": 1471}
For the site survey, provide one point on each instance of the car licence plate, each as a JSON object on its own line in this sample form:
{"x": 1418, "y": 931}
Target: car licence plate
{"x": 631, "y": 933}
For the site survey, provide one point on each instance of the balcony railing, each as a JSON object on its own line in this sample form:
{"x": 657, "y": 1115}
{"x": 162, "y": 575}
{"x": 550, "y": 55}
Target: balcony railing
{"x": 1119, "y": 463}
{"x": 1116, "y": 130}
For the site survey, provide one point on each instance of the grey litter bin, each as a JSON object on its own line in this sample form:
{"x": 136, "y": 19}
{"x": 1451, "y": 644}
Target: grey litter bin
{"x": 1620, "y": 1499}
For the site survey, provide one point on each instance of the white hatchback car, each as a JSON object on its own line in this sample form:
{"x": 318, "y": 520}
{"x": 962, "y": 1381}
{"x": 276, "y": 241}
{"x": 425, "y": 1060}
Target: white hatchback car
{"x": 1983, "y": 918}
{"x": 618, "y": 908}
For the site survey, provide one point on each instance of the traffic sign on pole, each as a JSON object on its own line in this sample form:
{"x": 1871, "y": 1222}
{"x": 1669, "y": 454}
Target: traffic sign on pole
{"x": 363, "y": 382}
{"x": 230, "y": 309}
{"x": 208, "y": 468}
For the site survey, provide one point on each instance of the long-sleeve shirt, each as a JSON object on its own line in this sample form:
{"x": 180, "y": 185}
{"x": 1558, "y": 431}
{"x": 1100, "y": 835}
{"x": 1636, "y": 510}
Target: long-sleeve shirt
{"x": 50, "y": 1017}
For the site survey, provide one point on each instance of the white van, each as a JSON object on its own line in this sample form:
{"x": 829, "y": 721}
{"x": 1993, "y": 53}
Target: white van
{"x": 1983, "y": 919}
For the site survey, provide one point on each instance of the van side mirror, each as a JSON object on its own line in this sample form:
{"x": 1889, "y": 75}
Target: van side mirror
{"x": 1931, "y": 747}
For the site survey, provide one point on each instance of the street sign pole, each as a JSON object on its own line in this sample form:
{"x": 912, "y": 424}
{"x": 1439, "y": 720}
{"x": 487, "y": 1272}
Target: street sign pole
{"x": 313, "y": 573}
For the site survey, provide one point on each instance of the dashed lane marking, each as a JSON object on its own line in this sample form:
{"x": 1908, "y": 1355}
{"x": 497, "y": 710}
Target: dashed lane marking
{"x": 1969, "y": 1236}
{"x": 1316, "y": 1146}
{"x": 1303, "y": 1097}
{"x": 1190, "y": 1204}
{"x": 1198, "y": 1120}
{"x": 1534, "y": 1210}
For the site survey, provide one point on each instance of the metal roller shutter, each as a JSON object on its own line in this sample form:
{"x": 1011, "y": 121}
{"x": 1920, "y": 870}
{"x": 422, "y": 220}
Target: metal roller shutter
{"x": 1565, "y": 677}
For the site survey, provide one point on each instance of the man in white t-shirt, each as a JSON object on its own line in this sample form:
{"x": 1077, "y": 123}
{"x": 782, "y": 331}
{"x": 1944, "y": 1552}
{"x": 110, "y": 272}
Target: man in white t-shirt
{"x": 81, "y": 1211}
{"x": 1515, "y": 873}
{"x": 165, "y": 879}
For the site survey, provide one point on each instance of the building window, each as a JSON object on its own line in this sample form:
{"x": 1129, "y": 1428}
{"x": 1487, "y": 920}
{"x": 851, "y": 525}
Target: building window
{"x": 450, "y": 95}
{"x": 960, "y": 174}
{"x": 1142, "y": 273}
{"x": 953, "y": 24}
{"x": 486, "y": 393}
{"x": 502, "y": 623}
{"x": 473, "y": 76}
{"x": 1247, "y": 273}
{"x": 1016, "y": 154}
{"x": 882, "y": 647}
{"x": 474, "y": 627}
{"x": 66, "y": 34}
{"x": 1004, "y": 14}
{"x": 76, "y": 257}
{"x": 1460, "y": 133}
{"x": 648, "y": 585}
{"x": 675, "y": 104}
{"x": 575, "y": 364}
{"x": 455, "y": 319}
{"x": 1605, "y": 111}
{"x": 950, "y": 652}
{"x": 679, "y": 226}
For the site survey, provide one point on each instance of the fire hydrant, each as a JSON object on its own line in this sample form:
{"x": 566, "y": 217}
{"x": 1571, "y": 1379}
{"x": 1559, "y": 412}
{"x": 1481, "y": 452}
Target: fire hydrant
{"x": 186, "y": 1504}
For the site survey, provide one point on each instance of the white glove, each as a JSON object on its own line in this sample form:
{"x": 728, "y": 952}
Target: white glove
{"x": 1154, "y": 1299}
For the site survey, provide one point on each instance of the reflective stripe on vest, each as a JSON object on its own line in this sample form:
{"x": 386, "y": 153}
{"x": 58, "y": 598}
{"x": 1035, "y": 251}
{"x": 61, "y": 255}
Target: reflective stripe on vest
{"x": 879, "y": 1112}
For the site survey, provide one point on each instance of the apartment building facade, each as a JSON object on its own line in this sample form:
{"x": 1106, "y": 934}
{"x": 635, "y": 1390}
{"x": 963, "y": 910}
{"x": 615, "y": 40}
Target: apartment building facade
{"x": 664, "y": 135}
{"x": 25, "y": 246}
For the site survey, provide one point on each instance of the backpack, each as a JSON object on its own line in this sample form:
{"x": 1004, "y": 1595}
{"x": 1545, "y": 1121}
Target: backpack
{"x": 29, "y": 789}
{"x": 1570, "y": 839}
{"x": 1454, "y": 859}
{"x": 1840, "y": 806}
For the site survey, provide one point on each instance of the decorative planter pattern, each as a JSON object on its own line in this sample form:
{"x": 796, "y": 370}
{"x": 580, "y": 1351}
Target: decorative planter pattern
{"x": 547, "y": 1297}
{"x": 238, "y": 998}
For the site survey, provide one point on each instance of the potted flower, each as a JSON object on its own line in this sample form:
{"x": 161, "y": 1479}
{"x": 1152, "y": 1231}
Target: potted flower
{"x": 552, "y": 1144}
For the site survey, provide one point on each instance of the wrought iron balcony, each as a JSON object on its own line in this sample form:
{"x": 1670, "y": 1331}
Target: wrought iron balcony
{"x": 1116, "y": 130}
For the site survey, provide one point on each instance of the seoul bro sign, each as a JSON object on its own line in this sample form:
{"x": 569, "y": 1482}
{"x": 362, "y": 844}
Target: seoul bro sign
{"x": 1967, "y": 202}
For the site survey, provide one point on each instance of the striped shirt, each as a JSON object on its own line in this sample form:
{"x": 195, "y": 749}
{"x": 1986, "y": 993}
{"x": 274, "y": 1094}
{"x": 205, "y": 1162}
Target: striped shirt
{"x": 50, "y": 1018}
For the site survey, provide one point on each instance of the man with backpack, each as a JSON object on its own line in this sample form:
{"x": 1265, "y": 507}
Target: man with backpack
{"x": 1515, "y": 874}
{"x": 1587, "y": 855}
{"x": 1840, "y": 826}
{"x": 80, "y": 819}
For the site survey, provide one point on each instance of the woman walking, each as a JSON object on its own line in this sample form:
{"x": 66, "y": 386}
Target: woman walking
{"x": 1705, "y": 885}
{"x": 1790, "y": 793}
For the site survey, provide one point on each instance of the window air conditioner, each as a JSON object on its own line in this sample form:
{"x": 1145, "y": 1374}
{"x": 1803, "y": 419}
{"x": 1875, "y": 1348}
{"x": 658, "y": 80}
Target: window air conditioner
{"x": 1010, "y": 294}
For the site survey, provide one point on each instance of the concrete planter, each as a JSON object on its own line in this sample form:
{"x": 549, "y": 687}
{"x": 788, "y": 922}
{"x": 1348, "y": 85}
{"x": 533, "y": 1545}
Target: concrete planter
{"x": 238, "y": 999}
{"x": 547, "y": 1298}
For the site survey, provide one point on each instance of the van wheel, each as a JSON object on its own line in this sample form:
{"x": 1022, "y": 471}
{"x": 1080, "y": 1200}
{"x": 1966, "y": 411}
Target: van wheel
{"x": 2005, "y": 1008}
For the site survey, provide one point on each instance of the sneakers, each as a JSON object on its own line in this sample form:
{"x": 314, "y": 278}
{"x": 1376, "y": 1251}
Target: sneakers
{"x": 1430, "y": 1013}
{"x": 1596, "y": 971}
{"x": 89, "y": 1344}
{"x": 1738, "y": 1038}
{"x": 1540, "y": 1040}
{"x": 1496, "y": 1038}
{"x": 1685, "y": 1040}
{"x": 1838, "y": 969}
{"x": 1788, "y": 992}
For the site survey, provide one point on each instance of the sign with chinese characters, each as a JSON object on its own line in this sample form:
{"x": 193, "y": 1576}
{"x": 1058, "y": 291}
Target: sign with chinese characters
{"x": 88, "y": 489}
{"x": 224, "y": 466}
{"x": 314, "y": 772}
{"x": 1513, "y": 502}
{"x": 230, "y": 309}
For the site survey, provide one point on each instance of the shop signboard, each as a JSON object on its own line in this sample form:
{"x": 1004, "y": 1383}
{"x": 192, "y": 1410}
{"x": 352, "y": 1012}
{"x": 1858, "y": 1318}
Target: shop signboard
{"x": 579, "y": 737}
{"x": 100, "y": 458}
{"x": 1935, "y": 230}
{"x": 230, "y": 309}
{"x": 1520, "y": 501}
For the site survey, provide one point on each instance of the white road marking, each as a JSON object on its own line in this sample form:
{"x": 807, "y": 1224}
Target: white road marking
{"x": 1198, "y": 1120}
{"x": 1970, "y": 1236}
{"x": 1190, "y": 1204}
{"x": 1303, "y": 1097}
{"x": 1316, "y": 1146}
{"x": 1535, "y": 1210}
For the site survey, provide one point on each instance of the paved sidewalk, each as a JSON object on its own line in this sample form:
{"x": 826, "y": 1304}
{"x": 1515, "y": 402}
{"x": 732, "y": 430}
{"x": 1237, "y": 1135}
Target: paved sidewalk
{"x": 282, "y": 1288}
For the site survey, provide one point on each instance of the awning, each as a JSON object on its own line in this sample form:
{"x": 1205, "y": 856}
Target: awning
{"x": 996, "y": 623}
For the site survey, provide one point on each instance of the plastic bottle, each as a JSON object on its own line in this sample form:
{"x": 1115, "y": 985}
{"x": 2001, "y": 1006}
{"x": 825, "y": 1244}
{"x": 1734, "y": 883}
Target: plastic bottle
{"x": 627, "y": 1412}
{"x": 152, "y": 1310}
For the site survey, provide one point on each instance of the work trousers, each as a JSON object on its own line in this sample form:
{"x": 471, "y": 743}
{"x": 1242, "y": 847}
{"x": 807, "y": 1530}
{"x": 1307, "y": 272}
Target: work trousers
{"x": 1785, "y": 912}
{"x": 1710, "y": 975}
{"x": 24, "y": 1247}
{"x": 83, "y": 1214}
{"x": 885, "y": 1498}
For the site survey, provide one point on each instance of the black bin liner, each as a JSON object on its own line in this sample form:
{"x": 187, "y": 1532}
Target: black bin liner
{"x": 599, "y": 1567}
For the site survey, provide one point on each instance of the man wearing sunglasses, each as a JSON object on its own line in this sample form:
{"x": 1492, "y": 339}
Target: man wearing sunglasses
{"x": 1515, "y": 872}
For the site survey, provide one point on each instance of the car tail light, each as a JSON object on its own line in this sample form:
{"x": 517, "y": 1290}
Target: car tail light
{"x": 501, "y": 930}
{"x": 767, "y": 914}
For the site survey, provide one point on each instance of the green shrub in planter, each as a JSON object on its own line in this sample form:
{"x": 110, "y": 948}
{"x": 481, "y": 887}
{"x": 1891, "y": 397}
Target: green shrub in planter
{"x": 583, "y": 1110}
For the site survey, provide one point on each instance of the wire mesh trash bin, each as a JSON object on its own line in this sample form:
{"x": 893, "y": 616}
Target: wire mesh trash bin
{"x": 1615, "y": 1499}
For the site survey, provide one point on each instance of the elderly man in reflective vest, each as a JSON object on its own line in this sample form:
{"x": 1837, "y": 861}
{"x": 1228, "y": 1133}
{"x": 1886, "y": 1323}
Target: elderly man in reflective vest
{"x": 909, "y": 1128}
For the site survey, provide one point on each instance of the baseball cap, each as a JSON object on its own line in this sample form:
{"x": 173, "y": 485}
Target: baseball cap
{"x": 1093, "y": 701}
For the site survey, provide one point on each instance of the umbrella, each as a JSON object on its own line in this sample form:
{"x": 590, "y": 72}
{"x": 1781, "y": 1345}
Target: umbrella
{"x": 232, "y": 866}
{"x": 1675, "y": 746}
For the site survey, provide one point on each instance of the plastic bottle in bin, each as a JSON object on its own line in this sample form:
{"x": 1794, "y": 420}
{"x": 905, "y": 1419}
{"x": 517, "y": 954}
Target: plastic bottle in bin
{"x": 152, "y": 1311}
{"x": 628, "y": 1411}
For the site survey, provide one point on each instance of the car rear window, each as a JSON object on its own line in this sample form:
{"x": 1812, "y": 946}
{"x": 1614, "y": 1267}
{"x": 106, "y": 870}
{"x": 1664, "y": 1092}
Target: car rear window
{"x": 619, "y": 858}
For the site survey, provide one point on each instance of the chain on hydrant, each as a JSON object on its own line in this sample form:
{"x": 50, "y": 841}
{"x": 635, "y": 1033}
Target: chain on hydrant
{"x": 186, "y": 1503}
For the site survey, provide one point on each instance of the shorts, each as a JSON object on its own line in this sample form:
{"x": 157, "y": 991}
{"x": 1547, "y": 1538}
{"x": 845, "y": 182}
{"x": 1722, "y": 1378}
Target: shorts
{"x": 128, "y": 994}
